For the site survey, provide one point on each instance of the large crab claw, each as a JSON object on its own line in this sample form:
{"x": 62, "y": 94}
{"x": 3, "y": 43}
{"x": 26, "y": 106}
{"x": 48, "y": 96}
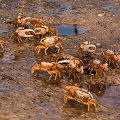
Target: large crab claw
{"x": 88, "y": 48}
{"x": 22, "y": 33}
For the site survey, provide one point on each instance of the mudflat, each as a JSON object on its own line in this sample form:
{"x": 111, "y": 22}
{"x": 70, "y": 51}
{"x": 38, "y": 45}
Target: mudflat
{"x": 33, "y": 97}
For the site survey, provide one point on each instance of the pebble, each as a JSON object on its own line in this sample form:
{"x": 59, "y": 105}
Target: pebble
{"x": 101, "y": 14}
{"x": 98, "y": 44}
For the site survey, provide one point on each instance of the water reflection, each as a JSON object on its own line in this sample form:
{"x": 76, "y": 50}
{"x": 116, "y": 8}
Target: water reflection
{"x": 70, "y": 29}
{"x": 98, "y": 90}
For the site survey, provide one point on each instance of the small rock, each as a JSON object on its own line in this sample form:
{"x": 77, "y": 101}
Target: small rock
{"x": 101, "y": 14}
{"x": 98, "y": 44}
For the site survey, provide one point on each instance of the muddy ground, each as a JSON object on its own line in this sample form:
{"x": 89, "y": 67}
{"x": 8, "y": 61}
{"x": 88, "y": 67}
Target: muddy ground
{"x": 33, "y": 97}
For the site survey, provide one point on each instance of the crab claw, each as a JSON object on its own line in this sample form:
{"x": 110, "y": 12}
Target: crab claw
{"x": 22, "y": 33}
{"x": 86, "y": 46}
{"x": 89, "y": 48}
{"x": 64, "y": 61}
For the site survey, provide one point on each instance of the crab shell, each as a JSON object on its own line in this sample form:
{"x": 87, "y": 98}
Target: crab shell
{"x": 96, "y": 62}
{"x": 46, "y": 63}
{"x": 110, "y": 52}
{"x": 50, "y": 41}
{"x": 79, "y": 94}
{"x": 41, "y": 30}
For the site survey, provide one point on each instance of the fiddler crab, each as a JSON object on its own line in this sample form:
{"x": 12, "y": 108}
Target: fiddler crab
{"x": 73, "y": 66}
{"x": 51, "y": 68}
{"x": 80, "y": 95}
{"x": 62, "y": 56}
{"x": 98, "y": 67}
{"x": 21, "y": 21}
{"x": 87, "y": 47}
{"x": 49, "y": 42}
{"x": 111, "y": 57}
{"x": 22, "y": 33}
{"x": 1, "y": 43}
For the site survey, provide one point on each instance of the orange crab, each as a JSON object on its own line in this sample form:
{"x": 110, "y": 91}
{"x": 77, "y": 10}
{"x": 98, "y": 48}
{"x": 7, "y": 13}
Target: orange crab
{"x": 111, "y": 57}
{"x": 87, "y": 47}
{"x": 21, "y": 21}
{"x": 22, "y": 33}
{"x": 48, "y": 42}
{"x": 98, "y": 67}
{"x": 73, "y": 66}
{"x": 51, "y": 68}
{"x": 80, "y": 95}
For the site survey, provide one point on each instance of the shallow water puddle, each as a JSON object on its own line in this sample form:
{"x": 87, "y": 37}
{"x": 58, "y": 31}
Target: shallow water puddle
{"x": 110, "y": 8}
{"x": 70, "y": 29}
{"x": 107, "y": 96}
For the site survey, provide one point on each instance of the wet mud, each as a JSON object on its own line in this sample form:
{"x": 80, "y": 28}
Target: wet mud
{"x": 33, "y": 97}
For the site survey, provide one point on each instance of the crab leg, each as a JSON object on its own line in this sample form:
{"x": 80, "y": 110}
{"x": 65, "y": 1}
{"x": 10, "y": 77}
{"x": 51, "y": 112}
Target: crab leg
{"x": 12, "y": 35}
{"x": 46, "y": 51}
{"x": 91, "y": 71}
{"x": 35, "y": 67}
{"x": 58, "y": 46}
{"x": 115, "y": 63}
{"x": 66, "y": 97}
{"x": 39, "y": 47}
{"x": 19, "y": 39}
{"x": 54, "y": 72}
